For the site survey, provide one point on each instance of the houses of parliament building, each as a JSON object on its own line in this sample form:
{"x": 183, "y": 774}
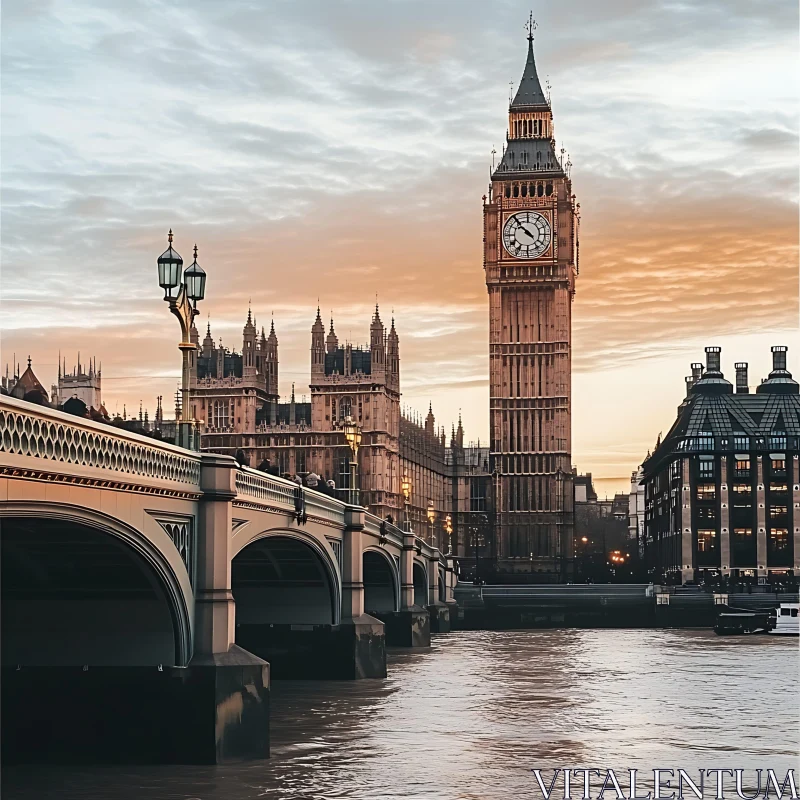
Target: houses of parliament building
{"x": 235, "y": 397}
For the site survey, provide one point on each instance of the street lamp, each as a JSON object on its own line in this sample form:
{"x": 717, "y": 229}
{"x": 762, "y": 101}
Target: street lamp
{"x": 431, "y": 518}
{"x": 448, "y": 528}
{"x": 405, "y": 486}
{"x": 182, "y": 297}
{"x": 352, "y": 433}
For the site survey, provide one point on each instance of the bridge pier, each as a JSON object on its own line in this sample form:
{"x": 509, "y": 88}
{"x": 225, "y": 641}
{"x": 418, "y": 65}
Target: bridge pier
{"x": 438, "y": 612}
{"x": 362, "y": 637}
{"x": 410, "y": 626}
{"x": 233, "y": 680}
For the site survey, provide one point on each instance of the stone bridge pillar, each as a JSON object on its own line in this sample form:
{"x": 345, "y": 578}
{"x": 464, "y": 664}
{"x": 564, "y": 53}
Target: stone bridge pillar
{"x": 407, "y": 571}
{"x": 450, "y": 580}
{"x": 437, "y": 610}
{"x": 410, "y": 626}
{"x": 235, "y": 681}
{"x": 361, "y": 647}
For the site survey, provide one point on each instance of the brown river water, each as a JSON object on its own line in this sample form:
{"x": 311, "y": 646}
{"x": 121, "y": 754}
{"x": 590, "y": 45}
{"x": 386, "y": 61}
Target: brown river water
{"x": 473, "y": 715}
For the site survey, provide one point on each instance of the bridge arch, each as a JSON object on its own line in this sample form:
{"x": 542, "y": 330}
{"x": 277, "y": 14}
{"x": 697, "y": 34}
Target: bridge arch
{"x": 420, "y": 574}
{"x": 282, "y": 576}
{"x": 381, "y": 581}
{"x": 83, "y": 587}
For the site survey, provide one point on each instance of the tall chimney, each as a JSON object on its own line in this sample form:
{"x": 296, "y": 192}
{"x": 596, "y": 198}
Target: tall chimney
{"x": 779, "y": 357}
{"x": 713, "y": 359}
{"x": 742, "y": 386}
{"x": 697, "y": 371}
{"x": 689, "y": 383}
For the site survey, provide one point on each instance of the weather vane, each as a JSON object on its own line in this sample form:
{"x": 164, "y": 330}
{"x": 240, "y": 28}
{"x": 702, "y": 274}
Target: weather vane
{"x": 530, "y": 26}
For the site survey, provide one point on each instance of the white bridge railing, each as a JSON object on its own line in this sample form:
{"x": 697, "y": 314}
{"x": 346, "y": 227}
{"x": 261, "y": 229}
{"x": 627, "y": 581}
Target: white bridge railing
{"x": 36, "y": 436}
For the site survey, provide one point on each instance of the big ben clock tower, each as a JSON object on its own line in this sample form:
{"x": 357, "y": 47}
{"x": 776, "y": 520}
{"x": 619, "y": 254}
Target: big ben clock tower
{"x": 530, "y": 242}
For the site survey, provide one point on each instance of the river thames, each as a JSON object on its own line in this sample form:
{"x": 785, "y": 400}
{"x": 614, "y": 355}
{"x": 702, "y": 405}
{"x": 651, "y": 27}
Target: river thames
{"x": 473, "y": 715}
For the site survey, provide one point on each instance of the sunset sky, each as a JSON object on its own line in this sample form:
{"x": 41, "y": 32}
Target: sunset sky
{"x": 328, "y": 151}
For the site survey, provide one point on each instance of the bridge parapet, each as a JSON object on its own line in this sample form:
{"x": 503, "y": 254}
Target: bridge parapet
{"x": 382, "y": 530}
{"x": 265, "y": 490}
{"x": 71, "y": 449}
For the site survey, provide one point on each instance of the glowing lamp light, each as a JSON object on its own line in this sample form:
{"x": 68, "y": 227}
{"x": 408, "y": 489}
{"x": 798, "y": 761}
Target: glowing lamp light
{"x": 352, "y": 433}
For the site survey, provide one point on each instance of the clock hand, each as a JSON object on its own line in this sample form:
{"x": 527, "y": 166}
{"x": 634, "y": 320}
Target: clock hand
{"x": 532, "y": 235}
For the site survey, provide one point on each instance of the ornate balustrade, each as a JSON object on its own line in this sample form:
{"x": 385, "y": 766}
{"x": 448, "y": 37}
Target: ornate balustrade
{"x": 28, "y": 431}
{"x": 266, "y": 490}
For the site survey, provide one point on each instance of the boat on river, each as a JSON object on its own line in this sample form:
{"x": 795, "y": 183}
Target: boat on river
{"x": 786, "y": 620}
{"x": 735, "y": 622}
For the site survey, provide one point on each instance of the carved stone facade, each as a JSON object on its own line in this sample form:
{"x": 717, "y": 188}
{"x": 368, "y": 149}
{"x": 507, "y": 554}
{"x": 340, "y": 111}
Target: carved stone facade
{"x": 530, "y": 261}
{"x": 235, "y": 397}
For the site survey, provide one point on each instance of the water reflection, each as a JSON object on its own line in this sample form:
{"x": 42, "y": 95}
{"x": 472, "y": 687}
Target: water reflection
{"x": 472, "y": 716}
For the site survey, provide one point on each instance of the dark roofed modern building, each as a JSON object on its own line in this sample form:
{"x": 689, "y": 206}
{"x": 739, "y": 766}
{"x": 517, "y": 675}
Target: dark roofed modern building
{"x": 722, "y": 490}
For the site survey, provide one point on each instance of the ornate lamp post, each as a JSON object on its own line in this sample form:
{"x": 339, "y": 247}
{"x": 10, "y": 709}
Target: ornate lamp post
{"x": 352, "y": 433}
{"x": 448, "y": 529}
{"x": 405, "y": 486}
{"x": 182, "y": 297}
{"x": 431, "y": 519}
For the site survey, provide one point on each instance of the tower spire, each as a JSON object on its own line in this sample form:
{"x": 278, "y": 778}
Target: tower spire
{"x": 529, "y": 92}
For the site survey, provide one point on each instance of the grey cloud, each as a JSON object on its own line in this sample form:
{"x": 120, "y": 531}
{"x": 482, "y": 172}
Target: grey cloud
{"x": 770, "y": 139}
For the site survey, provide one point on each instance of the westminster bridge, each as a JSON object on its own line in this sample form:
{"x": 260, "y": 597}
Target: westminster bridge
{"x": 150, "y": 592}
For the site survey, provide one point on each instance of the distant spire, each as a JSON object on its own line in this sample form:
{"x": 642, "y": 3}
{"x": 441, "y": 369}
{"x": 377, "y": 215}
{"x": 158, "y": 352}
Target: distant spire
{"x": 59, "y": 365}
{"x": 29, "y": 362}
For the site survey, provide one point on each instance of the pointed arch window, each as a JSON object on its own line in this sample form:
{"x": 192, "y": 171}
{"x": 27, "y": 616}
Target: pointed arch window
{"x": 220, "y": 414}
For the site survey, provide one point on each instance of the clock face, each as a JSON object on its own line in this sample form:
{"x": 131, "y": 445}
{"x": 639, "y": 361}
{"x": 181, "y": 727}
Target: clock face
{"x": 526, "y": 234}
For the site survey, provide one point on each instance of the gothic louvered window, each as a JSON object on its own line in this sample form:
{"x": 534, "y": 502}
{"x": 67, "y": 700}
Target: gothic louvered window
{"x": 220, "y": 414}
